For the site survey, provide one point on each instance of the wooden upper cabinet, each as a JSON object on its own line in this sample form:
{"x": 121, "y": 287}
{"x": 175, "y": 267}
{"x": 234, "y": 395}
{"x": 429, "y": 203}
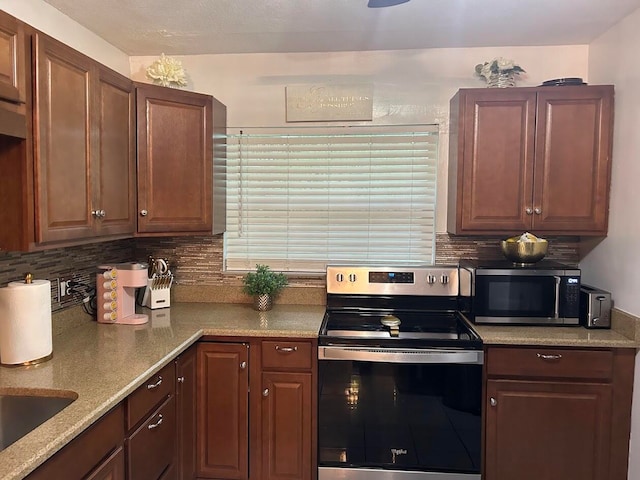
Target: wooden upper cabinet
{"x": 175, "y": 161}
{"x": 573, "y": 159}
{"x": 63, "y": 150}
{"x": 12, "y": 60}
{"x": 530, "y": 159}
{"x": 116, "y": 175}
{"x": 84, "y": 150}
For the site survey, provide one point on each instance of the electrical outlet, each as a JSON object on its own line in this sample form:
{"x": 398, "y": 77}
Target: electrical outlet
{"x": 64, "y": 287}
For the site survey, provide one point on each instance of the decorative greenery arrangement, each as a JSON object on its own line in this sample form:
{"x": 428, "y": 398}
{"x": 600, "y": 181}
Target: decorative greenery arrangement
{"x": 168, "y": 72}
{"x": 498, "y": 65}
{"x": 264, "y": 281}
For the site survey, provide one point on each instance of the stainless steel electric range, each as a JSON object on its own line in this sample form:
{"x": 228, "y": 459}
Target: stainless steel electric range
{"x": 400, "y": 377}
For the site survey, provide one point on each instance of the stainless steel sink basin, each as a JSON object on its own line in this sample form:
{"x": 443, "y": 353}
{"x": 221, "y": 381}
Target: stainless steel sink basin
{"x": 19, "y": 414}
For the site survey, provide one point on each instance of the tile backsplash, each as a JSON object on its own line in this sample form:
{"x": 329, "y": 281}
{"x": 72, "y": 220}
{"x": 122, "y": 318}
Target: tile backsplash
{"x": 199, "y": 260}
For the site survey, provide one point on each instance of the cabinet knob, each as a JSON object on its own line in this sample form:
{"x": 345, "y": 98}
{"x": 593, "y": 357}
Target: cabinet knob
{"x": 493, "y": 402}
{"x": 94, "y": 213}
{"x": 102, "y": 213}
{"x": 528, "y": 211}
{"x": 143, "y": 213}
{"x": 537, "y": 210}
{"x": 265, "y": 392}
{"x": 243, "y": 365}
{"x": 180, "y": 379}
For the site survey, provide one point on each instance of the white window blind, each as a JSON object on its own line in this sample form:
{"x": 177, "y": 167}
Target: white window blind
{"x": 298, "y": 200}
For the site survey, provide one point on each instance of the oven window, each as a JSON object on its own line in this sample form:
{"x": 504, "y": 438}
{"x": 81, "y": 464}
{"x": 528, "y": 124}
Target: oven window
{"x": 422, "y": 417}
{"x": 515, "y": 296}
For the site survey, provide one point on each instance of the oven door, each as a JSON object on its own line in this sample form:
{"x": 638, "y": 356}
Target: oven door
{"x": 399, "y": 413}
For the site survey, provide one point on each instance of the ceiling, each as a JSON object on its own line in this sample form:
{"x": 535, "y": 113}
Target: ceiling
{"x": 182, "y": 27}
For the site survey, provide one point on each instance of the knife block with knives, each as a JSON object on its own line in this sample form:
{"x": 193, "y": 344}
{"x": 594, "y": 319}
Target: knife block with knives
{"x": 159, "y": 281}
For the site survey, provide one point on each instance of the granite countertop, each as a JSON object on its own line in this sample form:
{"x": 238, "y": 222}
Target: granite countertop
{"x": 103, "y": 363}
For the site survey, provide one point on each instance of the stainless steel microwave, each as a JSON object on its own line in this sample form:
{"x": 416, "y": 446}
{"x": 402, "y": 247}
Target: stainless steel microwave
{"x": 544, "y": 293}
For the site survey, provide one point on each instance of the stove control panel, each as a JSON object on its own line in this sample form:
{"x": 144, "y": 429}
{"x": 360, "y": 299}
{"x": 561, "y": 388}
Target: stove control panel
{"x": 429, "y": 280}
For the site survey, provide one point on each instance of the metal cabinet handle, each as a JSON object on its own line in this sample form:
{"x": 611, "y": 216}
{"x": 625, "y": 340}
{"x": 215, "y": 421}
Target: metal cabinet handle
{"x": 94, "y": 213}
{"x": 548, "y": 357}
{"x": 243, "y": 365}
{"x": 537, "y": 210}
{"x": 493, "y": 402}
{"x": 286, "y": 349}
{"x": 102, "y": 213}
{"x": 151, "y": 386}
{"x": 180, "y": 379}
{"x": 528, "y": 211}
{"x": 265, "y": 392}
{"x": 157, "y": 424}
{"x": 143, "y": 213}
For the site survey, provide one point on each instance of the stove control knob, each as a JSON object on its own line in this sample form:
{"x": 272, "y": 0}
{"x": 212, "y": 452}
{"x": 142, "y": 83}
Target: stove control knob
{"x": 352, "y": 277}
{"x": 431, "y": 279}
{"x": 444, "y": 279}
{"x": 339, "y": 278}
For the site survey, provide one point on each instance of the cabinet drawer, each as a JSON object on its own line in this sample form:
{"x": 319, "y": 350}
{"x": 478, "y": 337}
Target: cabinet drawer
{"x": 550, "y": 363}
{"x": 151, "y": 448}
{"x": 81, "y": 456}
{"x": 157, "y": 388}
{"x": 287, "y": 354}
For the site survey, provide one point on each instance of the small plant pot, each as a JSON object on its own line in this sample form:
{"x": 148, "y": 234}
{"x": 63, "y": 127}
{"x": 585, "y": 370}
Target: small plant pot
{"x": 262, "y": 303}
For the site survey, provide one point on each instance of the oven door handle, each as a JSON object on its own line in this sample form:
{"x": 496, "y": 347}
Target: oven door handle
{"x": 399, "y": 355}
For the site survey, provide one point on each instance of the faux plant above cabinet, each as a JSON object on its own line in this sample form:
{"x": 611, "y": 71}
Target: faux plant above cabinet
{"x": 534, "y": 159}
{"x": 176, "y": 162}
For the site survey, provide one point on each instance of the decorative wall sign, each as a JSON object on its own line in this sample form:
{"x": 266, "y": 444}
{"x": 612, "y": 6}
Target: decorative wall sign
{"x": 326, "y": 103}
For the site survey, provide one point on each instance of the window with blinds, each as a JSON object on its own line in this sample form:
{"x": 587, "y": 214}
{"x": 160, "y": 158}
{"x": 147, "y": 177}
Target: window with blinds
{"x": 298, "y": 200}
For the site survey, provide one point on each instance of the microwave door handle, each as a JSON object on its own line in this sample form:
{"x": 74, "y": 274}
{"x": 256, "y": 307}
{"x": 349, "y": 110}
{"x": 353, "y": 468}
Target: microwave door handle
{"x": 557, "y": 304}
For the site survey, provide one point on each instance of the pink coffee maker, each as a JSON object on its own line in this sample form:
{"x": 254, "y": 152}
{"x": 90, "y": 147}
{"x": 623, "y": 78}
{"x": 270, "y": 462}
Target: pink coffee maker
{"x": 116, "y": 293}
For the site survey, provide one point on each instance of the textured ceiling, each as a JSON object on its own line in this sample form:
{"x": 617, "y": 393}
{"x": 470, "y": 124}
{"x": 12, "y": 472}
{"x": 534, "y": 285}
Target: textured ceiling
{"x": 148, "y": 27}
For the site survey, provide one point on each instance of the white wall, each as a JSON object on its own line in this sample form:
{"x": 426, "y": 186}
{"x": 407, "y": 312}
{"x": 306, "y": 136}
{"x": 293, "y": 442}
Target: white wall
{"x": 47, "y": 19}
{"x": 615, "y": 263}
{"x": 411, "y": 86}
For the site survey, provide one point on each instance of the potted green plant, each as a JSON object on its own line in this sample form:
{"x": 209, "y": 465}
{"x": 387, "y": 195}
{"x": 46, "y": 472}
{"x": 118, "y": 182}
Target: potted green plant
{"x": 263, "y": 285}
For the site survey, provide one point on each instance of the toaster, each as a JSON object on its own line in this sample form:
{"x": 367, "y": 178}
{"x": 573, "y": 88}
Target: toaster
{"x": 595, "y": 307}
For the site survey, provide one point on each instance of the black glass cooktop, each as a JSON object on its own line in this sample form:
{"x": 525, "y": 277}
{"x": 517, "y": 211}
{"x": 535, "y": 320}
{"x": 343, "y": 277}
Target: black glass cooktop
{"x": 398, "y": 328}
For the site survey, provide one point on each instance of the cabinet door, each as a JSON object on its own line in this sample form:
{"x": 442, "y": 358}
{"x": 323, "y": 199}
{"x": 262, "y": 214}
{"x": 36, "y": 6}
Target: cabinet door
{"x": 113, "y": 165}
{"x": 186, "y": 369}
{"x": 12, "y": 59}
{"x": 175, "y": 161}
{"x": 63, "y": 149}
{"x": 223, "y": 416}
{"x": 286, "y": 426}
{"x": 495, "y": 160}
{"x": 573, "y": 159}
{"x": 111, "y": 469}
{"x": 545, "y": 430}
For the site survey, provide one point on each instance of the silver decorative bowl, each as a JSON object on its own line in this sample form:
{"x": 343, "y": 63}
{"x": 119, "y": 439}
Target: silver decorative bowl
{"x": 524, "y": 252}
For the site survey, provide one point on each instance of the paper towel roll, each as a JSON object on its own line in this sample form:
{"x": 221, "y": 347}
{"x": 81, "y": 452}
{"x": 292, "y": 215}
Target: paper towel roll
{"x": 25, "y": 322}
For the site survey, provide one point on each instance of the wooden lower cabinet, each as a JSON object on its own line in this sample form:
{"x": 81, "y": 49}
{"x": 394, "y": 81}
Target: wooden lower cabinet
{"x": 557, "y": 414}
{"x": 286, "y": 426}
{"x": 256, "y": 404}
{"x": 223, "y": 411}
{"x": 186, "y": 394}
{"x": 111, "y": 469}
{"x": 85, "y": 455}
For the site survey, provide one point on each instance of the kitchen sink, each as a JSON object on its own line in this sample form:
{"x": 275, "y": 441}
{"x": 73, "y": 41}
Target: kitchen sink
{"x": 21, "y": 413}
